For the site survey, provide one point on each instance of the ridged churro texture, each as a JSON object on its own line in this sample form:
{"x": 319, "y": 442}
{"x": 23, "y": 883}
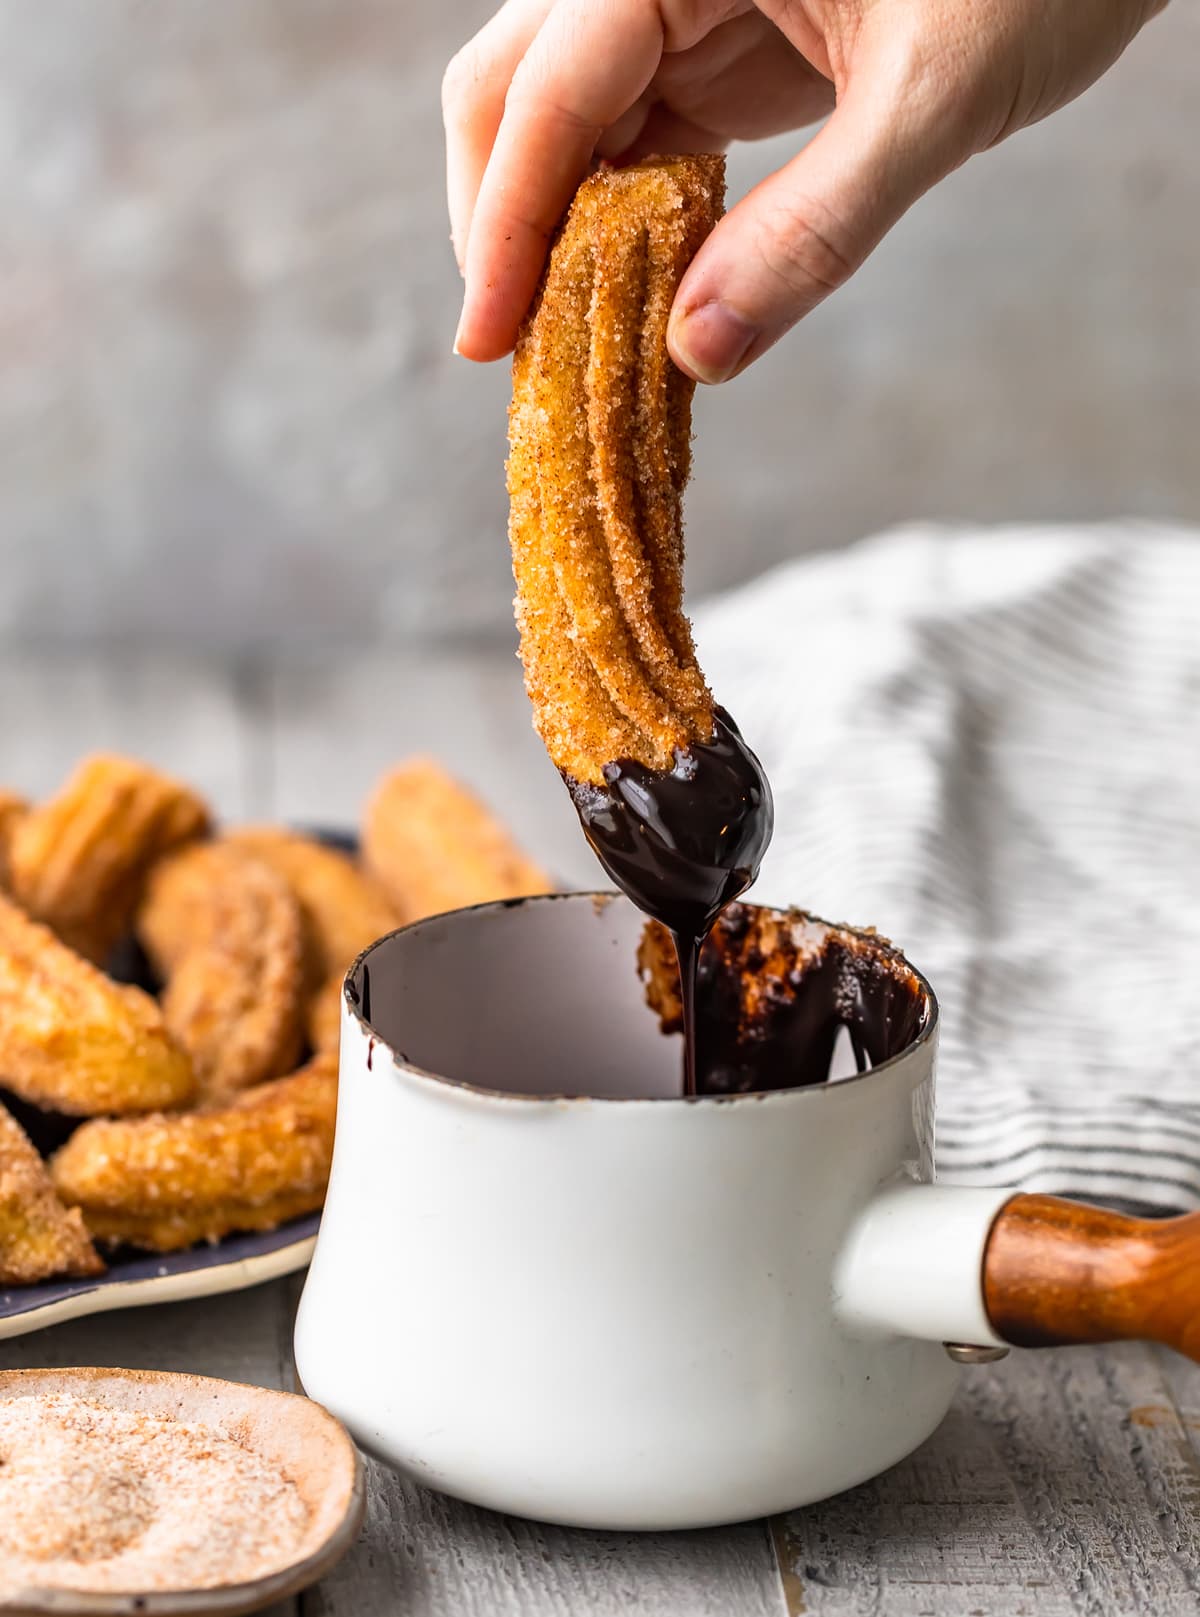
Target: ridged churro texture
{"x": 342, "y": 908}
{"x": 599, "y": 436}
{"x": 38, "y": 1236}
{"x": 13, "y": 810}
{"x": 72, "y": 1040}
{"x": 79, "y": 861}
{"x": 432, "y": 845}
{"x": 224, "y": 932}
{"x": 323, "y": 1015}
{"x": 164, "y": 1182}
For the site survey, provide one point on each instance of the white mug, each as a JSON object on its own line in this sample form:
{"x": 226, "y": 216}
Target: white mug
{"x": 655, "y": 1312}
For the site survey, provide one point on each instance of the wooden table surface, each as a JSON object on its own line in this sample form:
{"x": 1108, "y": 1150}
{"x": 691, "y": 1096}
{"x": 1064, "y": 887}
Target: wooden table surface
{"x": 1064, "y": 1482}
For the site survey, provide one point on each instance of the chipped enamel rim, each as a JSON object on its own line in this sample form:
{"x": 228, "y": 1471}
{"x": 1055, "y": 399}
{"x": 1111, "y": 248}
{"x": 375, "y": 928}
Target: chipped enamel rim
{"x": 804, "y": 1094}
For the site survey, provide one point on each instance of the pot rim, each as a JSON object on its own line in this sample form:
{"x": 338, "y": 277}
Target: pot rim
{"x": 926, "y": 1034}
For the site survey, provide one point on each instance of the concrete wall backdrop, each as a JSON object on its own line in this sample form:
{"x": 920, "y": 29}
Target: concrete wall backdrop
{"x": 229, "y": 415}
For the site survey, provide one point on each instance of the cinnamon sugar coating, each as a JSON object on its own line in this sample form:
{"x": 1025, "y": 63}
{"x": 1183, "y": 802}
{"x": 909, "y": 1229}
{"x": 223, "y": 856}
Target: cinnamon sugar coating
{"x": 599, "y": 434}
{"x": 224, "y": 930}
{"x": 74, "y": 1041}
{"x": 432, "y": 845}
{"x": 39, "y": 1237}
{"x": 165, "y": 1182}
{"x": 79, "y": 861}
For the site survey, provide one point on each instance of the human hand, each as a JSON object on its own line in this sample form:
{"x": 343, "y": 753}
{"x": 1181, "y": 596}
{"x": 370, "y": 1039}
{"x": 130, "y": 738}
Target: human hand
{"x": 915, "y": 87}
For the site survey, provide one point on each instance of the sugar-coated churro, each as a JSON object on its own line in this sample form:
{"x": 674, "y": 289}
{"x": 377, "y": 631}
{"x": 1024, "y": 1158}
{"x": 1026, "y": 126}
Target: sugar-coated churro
{"x": 433, "y": 846}
{"x": 599, "y": 456}
{"x": 78, "y": 862}
{"x": 223, "y": 929}
{"x": 166, "y": 1182}
{"x": 343, "y": 908}
{"x": 13, "y": 809}
{"x": 74, "y": 1041}
{"x": 323, "y": 1015}
{"x": 39, "y": 1237}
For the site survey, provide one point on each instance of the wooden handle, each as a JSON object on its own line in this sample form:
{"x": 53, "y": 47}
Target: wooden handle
{"x": 1059, "y": 1271}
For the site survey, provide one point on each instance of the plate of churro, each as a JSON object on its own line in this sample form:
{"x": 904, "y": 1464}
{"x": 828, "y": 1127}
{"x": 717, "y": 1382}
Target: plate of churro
{"x": 170, "y": 1005}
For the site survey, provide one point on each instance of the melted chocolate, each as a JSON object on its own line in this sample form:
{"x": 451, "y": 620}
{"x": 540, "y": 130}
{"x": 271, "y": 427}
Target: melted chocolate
{"x": 770, "y": 1005}
{"x": 682, "y": 843}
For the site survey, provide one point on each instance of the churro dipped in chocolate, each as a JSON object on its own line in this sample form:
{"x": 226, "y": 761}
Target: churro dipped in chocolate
{"x": 673, "y": 802}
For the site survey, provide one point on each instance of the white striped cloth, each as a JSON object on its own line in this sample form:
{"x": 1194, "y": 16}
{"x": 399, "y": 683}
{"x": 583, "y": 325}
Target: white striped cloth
{"x": 987, "y": 743}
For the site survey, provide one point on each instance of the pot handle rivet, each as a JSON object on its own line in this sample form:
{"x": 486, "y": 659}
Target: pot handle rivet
{"x": 975, "y": 1352}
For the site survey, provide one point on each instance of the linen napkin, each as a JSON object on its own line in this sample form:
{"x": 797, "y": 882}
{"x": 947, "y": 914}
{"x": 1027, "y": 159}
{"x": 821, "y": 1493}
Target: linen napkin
{"x": 986, "y": 743}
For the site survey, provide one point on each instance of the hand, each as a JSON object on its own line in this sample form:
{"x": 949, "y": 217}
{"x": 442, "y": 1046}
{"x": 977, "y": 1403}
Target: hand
{"x": 915, "y": 87}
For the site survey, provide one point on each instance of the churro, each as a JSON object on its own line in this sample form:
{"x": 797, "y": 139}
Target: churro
{"x": 224, "y": 931}
{"x": 73, "y": 1041}
{"x": 12, "y": 811}
{"x": 166, "y": 1182}
{"x": 323, "y": 1015}
{"x": 39, "y": 1237}
{"x": 433, "y": 846}
{"x": 599, "y": 455}
{"x": 343, "y": 909}
{"x": 78, "y": 862}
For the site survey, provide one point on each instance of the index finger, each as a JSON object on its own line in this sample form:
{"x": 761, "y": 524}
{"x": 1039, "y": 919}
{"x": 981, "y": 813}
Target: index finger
{"x": 588, "y": 64}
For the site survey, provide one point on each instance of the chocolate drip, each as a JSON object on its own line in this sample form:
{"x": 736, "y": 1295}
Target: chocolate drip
{"x": 682, "y": 843}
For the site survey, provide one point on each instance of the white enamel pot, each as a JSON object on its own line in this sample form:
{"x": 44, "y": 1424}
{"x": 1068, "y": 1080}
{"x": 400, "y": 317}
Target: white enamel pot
{"x": 658, "y": 1312}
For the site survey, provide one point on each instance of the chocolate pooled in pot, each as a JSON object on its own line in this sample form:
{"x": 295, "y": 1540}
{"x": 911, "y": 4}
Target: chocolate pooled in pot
{"x": 774, "y": 992}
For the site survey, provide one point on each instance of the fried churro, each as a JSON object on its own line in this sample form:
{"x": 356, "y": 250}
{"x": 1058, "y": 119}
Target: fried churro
{"x": 323, "y": 1015}
{"x": 74, "y": 1041}
{"x": 224, "y": 932}
{"x": 39, "y": 1237}
{"x": 599, "y": 455}
{"x": 343, "y": 909}
{"x": 433, "y": 846}
{"x": 167, "y": 1182}
{"x": 12, "y": 811}
{"x": 78, "y": 862}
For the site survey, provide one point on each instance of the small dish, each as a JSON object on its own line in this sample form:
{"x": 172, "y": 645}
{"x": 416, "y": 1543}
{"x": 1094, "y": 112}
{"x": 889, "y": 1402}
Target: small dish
{"x": 296, "y": 1434}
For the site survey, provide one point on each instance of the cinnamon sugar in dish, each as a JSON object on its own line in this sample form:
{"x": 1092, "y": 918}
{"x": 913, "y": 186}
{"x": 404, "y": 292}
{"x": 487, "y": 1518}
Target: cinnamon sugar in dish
{"x": 103, "y": 1500}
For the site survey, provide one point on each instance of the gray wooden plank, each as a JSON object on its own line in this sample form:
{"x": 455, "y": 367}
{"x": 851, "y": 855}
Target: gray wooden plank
{"x": 336, "y": 726}
{"x": 1043, "y": 1493}
{"x": 184, "y": 717}
{"x": 428, "y": 1556}
{"x": 1181, "y": 1377}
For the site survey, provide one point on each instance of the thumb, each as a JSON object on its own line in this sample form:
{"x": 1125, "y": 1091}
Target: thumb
{"x": 796, "y": 237}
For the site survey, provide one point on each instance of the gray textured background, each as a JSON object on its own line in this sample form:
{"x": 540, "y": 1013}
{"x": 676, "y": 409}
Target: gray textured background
{"x": 229, "y": 415}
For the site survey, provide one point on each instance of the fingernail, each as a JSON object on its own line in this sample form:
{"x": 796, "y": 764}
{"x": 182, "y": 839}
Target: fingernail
{"x": 711, "y": 341}
{"x": 457, "y": 337}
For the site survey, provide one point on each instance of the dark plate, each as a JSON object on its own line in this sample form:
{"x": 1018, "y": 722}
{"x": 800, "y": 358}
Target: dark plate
{"x": 134, "y": 1279}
